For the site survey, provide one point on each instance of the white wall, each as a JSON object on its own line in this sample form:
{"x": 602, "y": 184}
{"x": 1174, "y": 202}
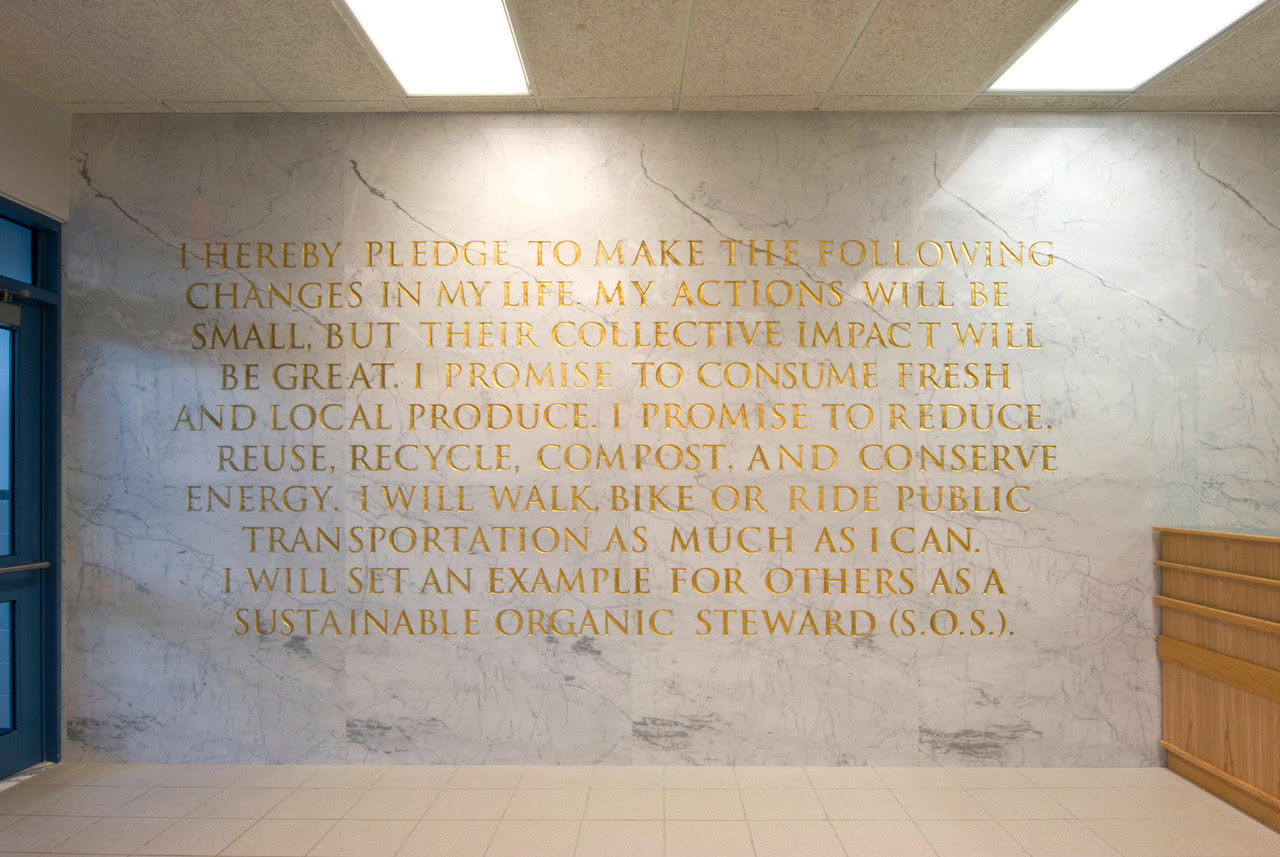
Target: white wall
{"x": 35, "y": 141}
{"x": 1156, "y": 381}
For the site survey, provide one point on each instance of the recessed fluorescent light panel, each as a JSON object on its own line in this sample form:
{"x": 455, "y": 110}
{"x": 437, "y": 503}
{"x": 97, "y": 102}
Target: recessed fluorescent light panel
{"x": 1117, "y": 45}
{"x": 445, "y": 47}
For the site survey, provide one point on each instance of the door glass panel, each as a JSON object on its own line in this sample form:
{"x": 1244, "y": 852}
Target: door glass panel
{"x": 6, "y": 666}
{"x": 15, "y": 251}
{"x": 28, "y": 365}
{"x": 6, "y": 442}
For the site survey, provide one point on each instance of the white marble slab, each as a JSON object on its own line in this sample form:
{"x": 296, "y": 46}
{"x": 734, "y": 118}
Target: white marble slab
{"x": 1158, "y": 374}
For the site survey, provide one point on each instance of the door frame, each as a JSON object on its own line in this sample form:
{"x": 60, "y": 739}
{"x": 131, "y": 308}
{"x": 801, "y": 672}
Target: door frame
{"x": 40, "y": 305}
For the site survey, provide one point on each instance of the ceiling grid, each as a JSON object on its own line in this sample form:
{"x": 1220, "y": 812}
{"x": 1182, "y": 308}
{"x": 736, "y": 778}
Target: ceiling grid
{"x": 844, "y": 60}
{"x": 126, "y": 56}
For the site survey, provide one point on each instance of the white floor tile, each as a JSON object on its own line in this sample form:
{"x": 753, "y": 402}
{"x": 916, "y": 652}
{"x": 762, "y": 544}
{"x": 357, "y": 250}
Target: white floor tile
{"x": 795, "y": 839}
{"x": 940, "y": 804}
{"x": 196, "y": 836}
{"x": 883, "y": 839}
{"x": 620, "y": 811}
{"x": 415, "y": 777}
{"x": 37, "y": 833}
{"x": 112, "y": 836}
{"x": 615, "y": 838}
{"x": 67, "y": 774}
{"x": 1019, "y": 803}
{"x": 272, "y": 776}
{"x": 1237, "y": 836}
{"x": 634, "y": 804}
{"x": 364, "y": 837}
{"x": 844, "y": 778}
{"x": 485, "y": 777}
{"x": 861, "y": 804}
{"x": 199, "y": 776}
{"x": 449, "y": 838}
{"x": 626, "y": 777}
{"x": 316, "y": 803}
{"x": 91, "y": 800}
{"x": 470, "y": 803}
{"x": 344, "y": 777}
{"x": 394, "y": 804}
{"x": 1131, "y": 802}
{"x": 240, "y": 802}
{"x": 145, "y": 776}
{"x": 26, "y": 798}
{"x": 992, "y": 778}
{"x": 920, "y": 778}
{"x": 166, "y": 802}
{"x": 1147, "y": 837}
{"x": 534, "y": 838}
{"x": 1102, "y": 777}
{"x": 548, "y": 804}
{"x": 1058, "y": 838}
{"x": 771, "y": 777}
{"x": 970, "y": 838}
{"x": 704, "y": 804}
{"x": 279, "y": 837}
{"x": 708, "y": 839}
{"x": 782, "y": 805}
{"x": 701, "y": 777}
{"x": 556, "y": 777}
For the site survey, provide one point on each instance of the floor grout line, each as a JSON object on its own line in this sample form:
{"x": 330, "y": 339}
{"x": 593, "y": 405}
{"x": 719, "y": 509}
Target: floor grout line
{"x": 1147, "y": 798}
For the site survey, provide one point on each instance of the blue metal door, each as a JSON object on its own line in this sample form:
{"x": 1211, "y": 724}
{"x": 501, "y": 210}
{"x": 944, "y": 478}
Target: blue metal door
{"x": 29, "y": 730}
{"x": 21, "y": 727}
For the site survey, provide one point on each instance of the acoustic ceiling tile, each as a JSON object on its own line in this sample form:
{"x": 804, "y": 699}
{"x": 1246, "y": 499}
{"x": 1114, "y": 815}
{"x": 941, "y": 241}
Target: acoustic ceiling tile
{"x": 601, "y": 47}
{"x": 36, "y": 58}
{"x": 385, "y": 105}
{"x": 1009, "y": 101}
{"x": 297, "y": 50}
{"x": 1220, "y": 103}
{"x": 115, "y": 107}
{"x": 473, "y": 104}
{"x": 876, "y": 103}
{"x": 302, "y": 55}
{"x": 748, "y": 102}
{"x": 940, "y": 47}
{"x": 592, "y": 103}
{"x": 150, "y": 45}
{"x": 1240, "y": 71}
{"x": 785, "y": 47}
{"x": 225, "y": 106}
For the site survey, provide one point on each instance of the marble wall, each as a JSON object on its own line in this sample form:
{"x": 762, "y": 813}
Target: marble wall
{"x": 1158, "y": 374}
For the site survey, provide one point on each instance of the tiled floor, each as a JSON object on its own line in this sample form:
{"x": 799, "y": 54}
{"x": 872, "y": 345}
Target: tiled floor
{"x": 265, "y": 811}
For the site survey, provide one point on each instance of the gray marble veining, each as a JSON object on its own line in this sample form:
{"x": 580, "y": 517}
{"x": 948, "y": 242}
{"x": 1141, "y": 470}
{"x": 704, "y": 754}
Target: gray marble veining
{"x": 1159, "y": 374}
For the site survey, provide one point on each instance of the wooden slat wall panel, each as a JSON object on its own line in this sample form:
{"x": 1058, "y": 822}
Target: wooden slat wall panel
{"x": 1255, "y": 555}
{"x": 1231, "y": 729}
{"x": 1238, "y": 674}
{"x": 1220, "y": 647}
{"x": 1259, "y": 600}
{"x": 1232, "y": 640}
{"x": 1235, "y": 792}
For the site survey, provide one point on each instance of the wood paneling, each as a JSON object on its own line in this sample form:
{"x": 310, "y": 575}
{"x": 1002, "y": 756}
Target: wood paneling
{"x": 1220, "y": 648}
{"x": 1235, "y": 641}
{"x": 1226, "y": 590}
{"x": 1228, "y": 616}
{"x": 1235, "y": 792}
{"x": 1256, "y": 555}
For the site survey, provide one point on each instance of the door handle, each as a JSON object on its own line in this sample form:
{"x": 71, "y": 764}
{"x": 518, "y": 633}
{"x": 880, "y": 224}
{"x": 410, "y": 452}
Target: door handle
{"x": 30, "y": 566}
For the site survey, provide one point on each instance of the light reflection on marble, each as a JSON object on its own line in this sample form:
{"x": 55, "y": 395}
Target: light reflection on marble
{"x": 1159, "y": 374}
